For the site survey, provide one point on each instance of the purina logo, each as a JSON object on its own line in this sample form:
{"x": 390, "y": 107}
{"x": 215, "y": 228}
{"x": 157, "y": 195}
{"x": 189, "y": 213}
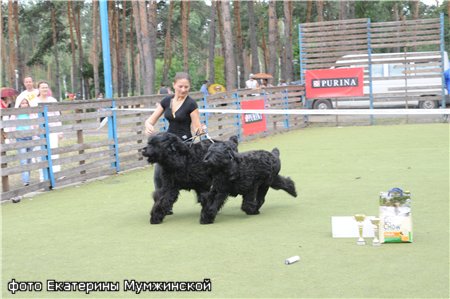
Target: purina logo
{"x": 252, "y": 117}
{"x": 335, "y": 82}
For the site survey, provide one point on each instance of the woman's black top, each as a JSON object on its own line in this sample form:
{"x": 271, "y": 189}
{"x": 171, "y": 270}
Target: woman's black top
{"x": 180, "y": 124}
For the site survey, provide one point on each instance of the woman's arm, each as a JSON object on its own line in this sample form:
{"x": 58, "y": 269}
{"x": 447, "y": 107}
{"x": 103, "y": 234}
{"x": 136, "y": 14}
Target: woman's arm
{"x": 196, "y": 124}
{"x": 150, "y": 122}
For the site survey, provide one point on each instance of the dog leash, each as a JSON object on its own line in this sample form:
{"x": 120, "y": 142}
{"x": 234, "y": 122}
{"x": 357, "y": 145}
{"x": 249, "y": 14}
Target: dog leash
{"x": 198, "y": 135}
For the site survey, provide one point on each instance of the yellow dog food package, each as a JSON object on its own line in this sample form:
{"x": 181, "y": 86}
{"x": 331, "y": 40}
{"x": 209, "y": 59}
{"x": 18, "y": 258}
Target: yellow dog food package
{"x": 395, "y": 217}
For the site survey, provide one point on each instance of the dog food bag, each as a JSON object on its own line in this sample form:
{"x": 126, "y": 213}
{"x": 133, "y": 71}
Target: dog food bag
{"x": 395, "y": 216}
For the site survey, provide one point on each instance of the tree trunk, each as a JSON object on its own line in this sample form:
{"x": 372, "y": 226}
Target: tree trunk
{"x": 3, "y": 53}
{"x": 289, "y": 71}
{"x": 272, "y": 65}
{"x": 395, "y": 12}
{"x": 137, "y": 21}
{"x": 281, "y": 62}
{"x": 74, "y": 72}
{"x": 77, "y": 23}
{"x": 95, "y": 39}
{"x": 168, "y": 45}
{"x": 230, "y": 75}
{"x": 137, "y": 72}
{"x": 57, "y": 93}
{"x": 212, "y": 43}
{"x": 112, "y": 24}
{"x": 239, "y": 45}
{"x": 252, "y": 34}
{"x": 264, "y": 49}
{"x": 131, "y": 69}
{"x": 185, "y": 33}
{"x": 153, "y": 24}
{"x": 342, "y": 10}
{"x": 319, "y": 5}
{"x": 351, "y": 9}
{"x": 12, "y": 44}
{"x": 147, "y": 59}
{"x": 124, "y": 79}
{"x": 309, "y": 5}
{"x": 415, "y": 9}
{"x": 222, "y": 37}
{"x": 19, "y": 56}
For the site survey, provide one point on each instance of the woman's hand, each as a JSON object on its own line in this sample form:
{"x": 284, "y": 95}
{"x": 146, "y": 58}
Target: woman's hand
{"x": 149, "y": 123}
{"x": 149, "y": 128}
{"x": 203, "y": 129}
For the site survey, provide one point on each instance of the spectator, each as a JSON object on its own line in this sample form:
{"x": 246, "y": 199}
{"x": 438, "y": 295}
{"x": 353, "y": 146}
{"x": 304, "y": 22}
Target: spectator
{"x": 6, "y": 102}
{"x": 204, "y": 88}
{"x": 251, "y": 83}
{"x": 265, "y": 83}
{"x": 30, "y": 93}
{"x": 218, "y": 88}
{"x": 100, "y": 97}
{"x": 282, "y": 83}
{"x": 27, "y": 149}
{"x": 447, "y": 80}
{"x": 44, "y": 98}
{"x": 164, "y": 89}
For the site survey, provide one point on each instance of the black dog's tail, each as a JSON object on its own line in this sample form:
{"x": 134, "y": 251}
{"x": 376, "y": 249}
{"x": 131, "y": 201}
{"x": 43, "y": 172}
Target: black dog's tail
{"x": 276, "y": 152}
{"x": 281, "y": 182}
{"x": 284, "y": 183}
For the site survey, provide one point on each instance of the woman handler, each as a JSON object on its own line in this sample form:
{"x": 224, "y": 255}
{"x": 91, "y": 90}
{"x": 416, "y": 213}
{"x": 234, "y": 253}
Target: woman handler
{"x": 181, "y": 111}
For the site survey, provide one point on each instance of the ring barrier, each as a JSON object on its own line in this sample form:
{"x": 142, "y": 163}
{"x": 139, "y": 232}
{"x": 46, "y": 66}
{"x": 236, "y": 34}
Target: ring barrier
{"x": 314, "y": 112}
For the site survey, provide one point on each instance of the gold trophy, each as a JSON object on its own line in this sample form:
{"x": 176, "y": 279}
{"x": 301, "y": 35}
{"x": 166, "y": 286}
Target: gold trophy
{"x": 360, "y": 219}
{"x": 376, "y": 229}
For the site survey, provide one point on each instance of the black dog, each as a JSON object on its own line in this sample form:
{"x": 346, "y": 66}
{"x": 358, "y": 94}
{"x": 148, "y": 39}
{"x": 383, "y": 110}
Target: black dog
{"x": 249, "y": 174}
{"x": 182, "y": 168}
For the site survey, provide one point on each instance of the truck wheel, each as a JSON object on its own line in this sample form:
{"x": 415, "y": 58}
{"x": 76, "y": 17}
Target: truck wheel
{"x": 428, "y": 104}
{"x": 322, "y": 104}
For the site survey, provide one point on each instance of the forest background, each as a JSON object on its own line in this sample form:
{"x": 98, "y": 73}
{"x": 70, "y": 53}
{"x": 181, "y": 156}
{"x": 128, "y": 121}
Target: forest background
{"x": 219, "y": 41}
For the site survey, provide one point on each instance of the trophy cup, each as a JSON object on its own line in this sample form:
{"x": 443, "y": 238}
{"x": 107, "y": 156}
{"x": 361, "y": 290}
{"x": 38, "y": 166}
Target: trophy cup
{"x": 360, "y": 218}
{"x": 376, "y": 229}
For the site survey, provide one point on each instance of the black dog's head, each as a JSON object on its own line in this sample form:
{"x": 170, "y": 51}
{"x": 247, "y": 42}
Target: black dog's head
{"x": 220, "y": 155}
{"x": 162, "y": 146}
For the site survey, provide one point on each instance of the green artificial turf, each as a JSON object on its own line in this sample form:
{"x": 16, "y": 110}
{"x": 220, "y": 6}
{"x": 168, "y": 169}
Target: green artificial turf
{"x": 100, "y": 231}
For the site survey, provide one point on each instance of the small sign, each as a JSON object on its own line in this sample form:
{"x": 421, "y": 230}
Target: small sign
{"x": 253, "y": 123}
{"x": 334, "y": 83}
{"x": 347, "y": 227}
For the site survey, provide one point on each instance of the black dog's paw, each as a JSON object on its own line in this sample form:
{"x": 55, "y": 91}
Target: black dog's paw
{"x": 206, "y": 219}
{"x": 252, "y": 212}
{"x": 156, "y": 220}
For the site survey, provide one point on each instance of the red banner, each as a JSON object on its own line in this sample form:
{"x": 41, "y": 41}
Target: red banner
{"x": 334, "y": 83}
{"x": 253, "y": 123}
